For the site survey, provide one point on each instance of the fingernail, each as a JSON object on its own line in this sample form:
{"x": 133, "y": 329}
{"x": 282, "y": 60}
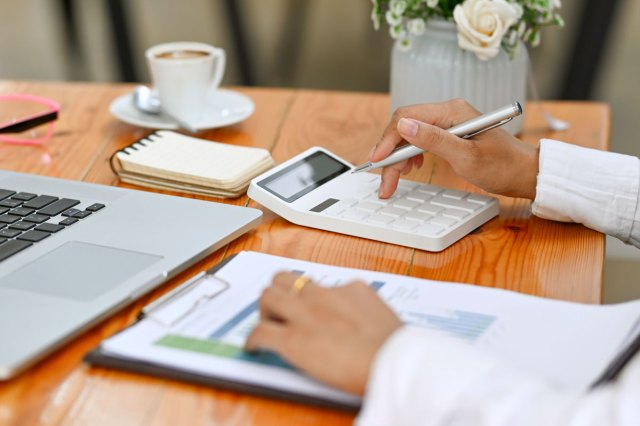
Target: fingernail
{"x": 381, "y": 189}
{"x": 408, "y": 127}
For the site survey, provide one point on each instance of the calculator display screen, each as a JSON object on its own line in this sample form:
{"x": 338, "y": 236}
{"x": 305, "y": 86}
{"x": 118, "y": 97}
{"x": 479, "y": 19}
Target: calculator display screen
{"x": 303, "y": 176}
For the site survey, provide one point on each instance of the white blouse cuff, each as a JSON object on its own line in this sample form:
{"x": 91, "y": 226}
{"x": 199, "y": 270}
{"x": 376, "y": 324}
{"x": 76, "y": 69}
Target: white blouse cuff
{"x": 596, "y": 188}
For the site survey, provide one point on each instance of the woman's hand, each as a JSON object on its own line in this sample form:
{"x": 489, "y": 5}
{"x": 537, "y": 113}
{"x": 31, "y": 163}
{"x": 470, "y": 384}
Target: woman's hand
{"x": 494, "y": 160}
{"x": 332, "y": 334}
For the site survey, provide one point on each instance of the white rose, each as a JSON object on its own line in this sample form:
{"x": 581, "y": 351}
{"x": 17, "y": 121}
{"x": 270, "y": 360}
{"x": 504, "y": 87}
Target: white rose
{"x": 482, "y": 24}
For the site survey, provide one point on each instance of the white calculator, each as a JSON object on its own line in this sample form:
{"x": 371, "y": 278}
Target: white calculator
{"x": 317, "y": 189}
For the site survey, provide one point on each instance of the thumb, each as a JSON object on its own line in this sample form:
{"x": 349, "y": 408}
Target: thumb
{"x": 430, "y": 138}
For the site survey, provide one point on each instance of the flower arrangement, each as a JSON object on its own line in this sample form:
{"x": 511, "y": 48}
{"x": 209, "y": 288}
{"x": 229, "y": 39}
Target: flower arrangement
{"x": 484, "y": 26}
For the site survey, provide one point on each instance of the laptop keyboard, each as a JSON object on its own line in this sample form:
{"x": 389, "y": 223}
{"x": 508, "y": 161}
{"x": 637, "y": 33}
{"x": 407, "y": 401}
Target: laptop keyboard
{"x": 26, "y": 218}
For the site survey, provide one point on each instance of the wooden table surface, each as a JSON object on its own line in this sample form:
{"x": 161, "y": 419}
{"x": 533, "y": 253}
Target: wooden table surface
{"x": 515, "y": 251}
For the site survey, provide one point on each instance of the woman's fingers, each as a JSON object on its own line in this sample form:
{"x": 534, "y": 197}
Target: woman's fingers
{"x": 267, "y": 335}
{"x": 277, "y": 302}
{"x": 433, "y": 139}
{"x": 442, "y": 115}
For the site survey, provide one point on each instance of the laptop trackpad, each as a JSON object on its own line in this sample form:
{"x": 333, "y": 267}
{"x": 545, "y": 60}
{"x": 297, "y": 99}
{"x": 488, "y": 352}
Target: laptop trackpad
{"x": 78, "y": 271}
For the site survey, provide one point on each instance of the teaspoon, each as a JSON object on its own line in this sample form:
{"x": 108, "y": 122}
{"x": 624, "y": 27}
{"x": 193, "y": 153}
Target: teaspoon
{"x": 147, "y": 101}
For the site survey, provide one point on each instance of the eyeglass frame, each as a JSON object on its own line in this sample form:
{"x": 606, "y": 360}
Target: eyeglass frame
{"x": 30, "y": 122}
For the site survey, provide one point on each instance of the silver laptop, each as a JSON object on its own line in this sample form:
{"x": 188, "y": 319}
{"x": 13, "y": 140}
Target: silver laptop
{"x": 71, "y": 253}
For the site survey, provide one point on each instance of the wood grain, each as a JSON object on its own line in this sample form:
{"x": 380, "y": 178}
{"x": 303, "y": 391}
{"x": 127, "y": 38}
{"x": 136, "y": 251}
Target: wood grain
{"x": 515, "y": 251}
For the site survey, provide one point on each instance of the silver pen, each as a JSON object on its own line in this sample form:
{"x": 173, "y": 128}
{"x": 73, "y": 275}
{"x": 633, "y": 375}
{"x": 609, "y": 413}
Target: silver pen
{"x": 465, "y": 130}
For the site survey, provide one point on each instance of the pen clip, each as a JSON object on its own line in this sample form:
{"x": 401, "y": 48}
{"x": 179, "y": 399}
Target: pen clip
{"x": 500, "y": 123}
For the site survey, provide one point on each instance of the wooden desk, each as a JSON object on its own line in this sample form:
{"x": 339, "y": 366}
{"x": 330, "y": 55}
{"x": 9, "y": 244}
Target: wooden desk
{"x": 515, "y": 251}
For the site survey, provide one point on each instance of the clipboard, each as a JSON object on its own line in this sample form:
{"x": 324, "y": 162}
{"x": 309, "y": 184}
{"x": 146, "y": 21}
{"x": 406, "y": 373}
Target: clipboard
{"x": 100, "y": 358}
{"x": 486, "y": 315}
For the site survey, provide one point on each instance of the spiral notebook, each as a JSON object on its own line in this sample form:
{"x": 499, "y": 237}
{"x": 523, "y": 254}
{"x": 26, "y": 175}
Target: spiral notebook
{"x": 173, "y": 161}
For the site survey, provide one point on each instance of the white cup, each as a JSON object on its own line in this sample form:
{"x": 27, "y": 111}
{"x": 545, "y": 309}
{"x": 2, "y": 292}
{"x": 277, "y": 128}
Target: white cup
{"x": 184, "y": 74}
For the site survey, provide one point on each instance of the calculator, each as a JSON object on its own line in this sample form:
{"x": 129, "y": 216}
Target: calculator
{"x": 317, "y": 189}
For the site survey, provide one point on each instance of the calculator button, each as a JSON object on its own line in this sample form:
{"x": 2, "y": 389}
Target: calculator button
{"x": 368, "y": 206}
{"x": 349, "y": 202}
{"x": 317, "y": 209}
{"x": 443, "y": 221}
{"x": 392, "y": 211}
{"x": 335, "y": 209}
{"x": 374, "y": 198}
{"x": 480, "y": 199}
{"x": 379, "y": 219}
{"x": 429, "y": 189}
{"x": 407, "y": 185}
{"x": 406, "y": 204}
{"x": 362, "y": 194}
{"x": 398, "y": 194}
{"x": 354, "y": 214}
{"x": 452, "y": 193}
{"x": 458, "y": 204}
{"x": 418, "y": 217}
{"x": 429, "y": 208}
{"x": 418, "y": 196}
{"x": 404, "y": 224}
{"x": 454, "y": 213}
{"x": 429, "y": 229}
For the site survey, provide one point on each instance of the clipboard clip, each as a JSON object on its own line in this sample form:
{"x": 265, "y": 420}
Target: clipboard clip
{"x": 182, "y": 301}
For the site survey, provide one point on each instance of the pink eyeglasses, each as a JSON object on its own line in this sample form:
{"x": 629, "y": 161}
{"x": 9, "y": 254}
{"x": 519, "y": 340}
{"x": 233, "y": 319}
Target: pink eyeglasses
{"x": 21, "y": 114}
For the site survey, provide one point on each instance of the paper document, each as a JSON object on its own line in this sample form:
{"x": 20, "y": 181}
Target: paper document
{"x": 206, "y": 328}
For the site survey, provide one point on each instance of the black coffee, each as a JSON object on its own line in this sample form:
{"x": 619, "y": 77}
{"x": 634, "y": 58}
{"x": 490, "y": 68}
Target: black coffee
{"x": 182, "y": 54}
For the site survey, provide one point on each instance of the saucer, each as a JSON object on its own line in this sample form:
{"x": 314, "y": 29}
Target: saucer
{"x": 224, "y": 108}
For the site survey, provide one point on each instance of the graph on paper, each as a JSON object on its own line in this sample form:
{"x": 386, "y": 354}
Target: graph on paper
{"x": 469, "y": 326}
{"x": 227, "y": 338}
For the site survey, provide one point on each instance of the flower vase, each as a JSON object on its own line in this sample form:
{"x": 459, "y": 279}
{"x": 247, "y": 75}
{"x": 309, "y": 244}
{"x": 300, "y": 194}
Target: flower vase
{"x": 435, "y": 69}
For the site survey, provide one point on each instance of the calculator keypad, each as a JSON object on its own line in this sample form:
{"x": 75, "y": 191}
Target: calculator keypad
{"x": 417, "y": 208}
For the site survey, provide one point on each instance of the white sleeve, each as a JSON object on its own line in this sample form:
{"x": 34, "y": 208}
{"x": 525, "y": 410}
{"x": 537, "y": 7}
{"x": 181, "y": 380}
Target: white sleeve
{"x": 596, "y": 188}
{"x": 420, "y": 377}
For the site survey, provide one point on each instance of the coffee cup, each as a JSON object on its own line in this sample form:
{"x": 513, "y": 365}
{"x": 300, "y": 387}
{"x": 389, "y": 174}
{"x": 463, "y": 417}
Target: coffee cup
{"x": 184, "y": 75}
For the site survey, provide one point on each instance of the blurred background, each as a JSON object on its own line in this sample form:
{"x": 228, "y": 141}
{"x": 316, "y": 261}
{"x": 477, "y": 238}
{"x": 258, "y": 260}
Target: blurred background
{"x": 326, "y": 44}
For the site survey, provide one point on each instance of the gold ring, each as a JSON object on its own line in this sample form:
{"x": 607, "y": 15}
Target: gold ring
{"x": 299, "y": 284}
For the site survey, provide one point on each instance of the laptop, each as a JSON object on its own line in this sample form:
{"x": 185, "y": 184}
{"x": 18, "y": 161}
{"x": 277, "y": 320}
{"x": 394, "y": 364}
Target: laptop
{"x": 71, "y": 253}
